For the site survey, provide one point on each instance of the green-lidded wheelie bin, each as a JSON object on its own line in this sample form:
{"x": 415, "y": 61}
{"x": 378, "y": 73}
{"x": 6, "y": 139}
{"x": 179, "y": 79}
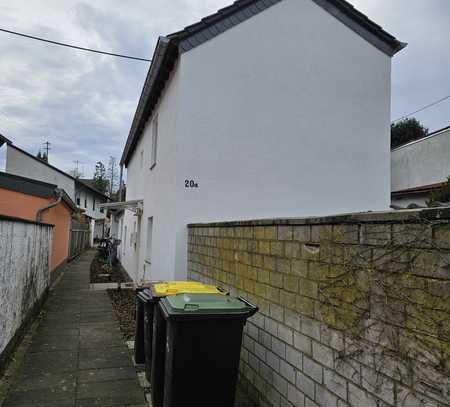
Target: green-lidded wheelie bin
{"x": 203, "y": 345}
{"x": 152, "y": 297}
{"x": 139, "y": 350}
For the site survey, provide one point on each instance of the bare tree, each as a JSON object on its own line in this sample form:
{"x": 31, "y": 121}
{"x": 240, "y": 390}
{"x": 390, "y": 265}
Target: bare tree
{"x": 112, "y": 174}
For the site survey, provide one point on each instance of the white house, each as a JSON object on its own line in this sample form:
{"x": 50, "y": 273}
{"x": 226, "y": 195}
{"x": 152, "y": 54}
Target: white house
{"x": 420, "y": 167}
{"x": 19, "y": 162}
{"x": 268, "y": 108}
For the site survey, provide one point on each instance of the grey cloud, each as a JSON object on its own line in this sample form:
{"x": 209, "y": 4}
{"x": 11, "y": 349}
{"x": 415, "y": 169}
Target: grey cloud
{"x": 84, "y": 103}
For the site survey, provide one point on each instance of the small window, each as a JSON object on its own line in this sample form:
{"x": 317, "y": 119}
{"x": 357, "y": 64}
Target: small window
{"x": 133, "y": 240}
{"x": 148, "y": 251}
{"x": 85, "y": 202}
{"x": 125, "y": 240}
{"x": 78, "y": 201}
{"x": 142, "y": 159}
{"x": 154, "y": 142}
{"x": 93, "y": 205}
{"x": 102, "y": 210}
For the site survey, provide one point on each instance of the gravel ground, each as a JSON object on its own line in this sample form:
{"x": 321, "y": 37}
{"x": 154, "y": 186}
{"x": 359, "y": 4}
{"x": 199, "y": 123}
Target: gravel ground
{"x": 99, "y": 267}
{"x": 123, "y": 302}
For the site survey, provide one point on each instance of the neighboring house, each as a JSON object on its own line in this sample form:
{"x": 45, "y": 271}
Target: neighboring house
{"x": 86, "y": 197}
{"x": 268, "y": 108}
{"x": 420, "y": 167}
{"x": 38, "y": 201}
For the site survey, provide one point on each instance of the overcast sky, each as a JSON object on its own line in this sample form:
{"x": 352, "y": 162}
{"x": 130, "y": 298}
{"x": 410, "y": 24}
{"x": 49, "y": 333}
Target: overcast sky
{"x": 84, "y": 103}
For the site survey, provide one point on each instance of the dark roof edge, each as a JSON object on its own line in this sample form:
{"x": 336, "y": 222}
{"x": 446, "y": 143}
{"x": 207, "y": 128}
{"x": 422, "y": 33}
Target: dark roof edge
{"x": 93, "y": 189}
{"x": 439, "y": 131}
{"x": 67, "y": 200}
{"x": 26, "y": 185}
{"x": 417, "y": 190}
{"x": 10, "y": 144}
{"x": 21, "y": 220}
{"x": 4, "y": 140}
{"x": 228, "y": 17}
{"x": 150, "y": 93}
{"x": 362, "y": 25}
{"x": 424, "y": 138}
{"x": 212, "y": 26}
{"x": 34, "y": 187}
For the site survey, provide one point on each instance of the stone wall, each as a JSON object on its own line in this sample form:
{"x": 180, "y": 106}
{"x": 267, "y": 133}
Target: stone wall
{"x": 354, "y": 309}
{"x": 25, "y": 249}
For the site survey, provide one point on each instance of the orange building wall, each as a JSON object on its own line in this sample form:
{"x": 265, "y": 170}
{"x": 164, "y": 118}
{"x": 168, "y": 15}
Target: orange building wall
{"x": 26, "y": 206}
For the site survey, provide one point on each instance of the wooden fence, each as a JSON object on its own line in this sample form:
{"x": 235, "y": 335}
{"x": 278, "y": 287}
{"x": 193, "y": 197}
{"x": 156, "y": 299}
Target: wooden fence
{"x": 80, "y": 238}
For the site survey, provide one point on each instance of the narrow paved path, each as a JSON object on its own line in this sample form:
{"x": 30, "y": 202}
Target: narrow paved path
{"x": 77, "y": 357}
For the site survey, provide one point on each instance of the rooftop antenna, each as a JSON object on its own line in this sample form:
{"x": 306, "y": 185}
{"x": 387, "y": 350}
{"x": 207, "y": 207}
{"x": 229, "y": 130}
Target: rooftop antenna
{"x": 47, "y": 147}
{"x": 77, "y": 163}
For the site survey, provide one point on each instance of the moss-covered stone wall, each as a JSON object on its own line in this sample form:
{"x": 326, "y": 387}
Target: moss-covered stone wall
{"x": 354, "y": 310}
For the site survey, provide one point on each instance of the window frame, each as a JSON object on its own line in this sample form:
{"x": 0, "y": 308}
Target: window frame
{"x": 149, "y": 241}
{"x": 154, "y": 150}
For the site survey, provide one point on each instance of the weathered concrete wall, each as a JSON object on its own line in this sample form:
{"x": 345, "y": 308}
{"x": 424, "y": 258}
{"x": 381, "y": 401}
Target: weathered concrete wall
{"x": 421, "y": 162}
{"x": 354, "y": 310}
{"x": 25, "y": 250}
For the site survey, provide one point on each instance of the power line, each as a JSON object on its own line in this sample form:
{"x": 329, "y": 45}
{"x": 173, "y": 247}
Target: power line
{"x": 74, "y": 46}
{"x": 423, "y": 108}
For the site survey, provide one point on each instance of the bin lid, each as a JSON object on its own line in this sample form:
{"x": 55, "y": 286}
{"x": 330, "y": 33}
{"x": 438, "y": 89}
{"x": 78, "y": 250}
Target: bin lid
{"x": 179, "y": 287}
{"x": 143, "y": 296}
{"x": 193, "y": 303}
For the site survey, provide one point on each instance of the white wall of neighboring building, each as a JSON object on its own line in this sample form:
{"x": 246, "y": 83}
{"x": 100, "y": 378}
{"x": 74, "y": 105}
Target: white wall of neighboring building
{"x": 422, "y": 162}
{"x": 18, "y": 163}
{"x": 286, "y": 114}
{"x": 87, "y": 198}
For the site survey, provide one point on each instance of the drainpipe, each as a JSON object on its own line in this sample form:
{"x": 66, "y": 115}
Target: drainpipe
{"x": 45, "y": 208}
{"x": 120, "y": 183}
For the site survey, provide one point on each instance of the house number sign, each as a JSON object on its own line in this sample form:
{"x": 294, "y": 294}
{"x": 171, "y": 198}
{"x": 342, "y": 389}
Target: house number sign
{"x": 190, "y": 183}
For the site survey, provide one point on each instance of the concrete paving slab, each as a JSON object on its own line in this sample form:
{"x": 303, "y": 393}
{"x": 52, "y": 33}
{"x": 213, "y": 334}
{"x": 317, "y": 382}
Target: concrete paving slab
{"x": 104, "y": 375}
{"x": 100, "y": 317}
{"x": 36, "y": 364}
{"x": 41, "y": 396}
{"x": 54, "y": 343}
{"x": 64, "y": 381}
{"x": 100, "y": 343}
{"x": 53, "y": 329}
{"x": 104, "y": 358}
{"x": 114, "y": 392}
{"x": 78, "y": 355}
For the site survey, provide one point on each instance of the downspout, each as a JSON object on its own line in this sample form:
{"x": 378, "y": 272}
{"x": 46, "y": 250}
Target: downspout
{"x": 45, "y": 208}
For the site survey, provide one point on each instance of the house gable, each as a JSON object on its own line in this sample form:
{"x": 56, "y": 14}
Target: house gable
{"x": 169, "y": 49}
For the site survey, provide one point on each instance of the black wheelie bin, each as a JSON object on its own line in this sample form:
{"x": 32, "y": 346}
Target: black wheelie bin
{"x": 203, "y": 343}
{"x": 152, "y": 297}
{"x": 139, "y": 350}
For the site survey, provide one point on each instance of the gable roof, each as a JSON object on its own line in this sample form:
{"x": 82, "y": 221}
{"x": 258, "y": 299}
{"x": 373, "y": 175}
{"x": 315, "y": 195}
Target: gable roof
{"x": 33, "y": 187}
{"x": 170, "y": 47}
{"x": 77, "y": 181}
{"x": 90, "y": 183}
